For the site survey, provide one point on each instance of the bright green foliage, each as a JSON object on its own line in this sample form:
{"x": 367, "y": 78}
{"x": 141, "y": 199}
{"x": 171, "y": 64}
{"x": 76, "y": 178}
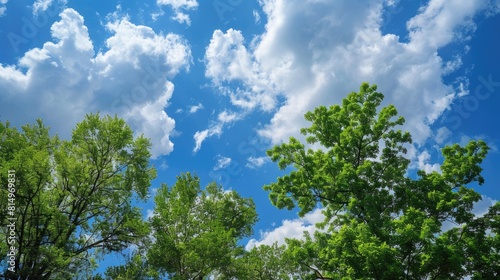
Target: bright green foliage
{"x": 262, "y": 263}
{"x": 73, "y": 198}
{"x": 136, "y": 268}
{"x": 380, "y": 224}
{"x": 195, "y": 231}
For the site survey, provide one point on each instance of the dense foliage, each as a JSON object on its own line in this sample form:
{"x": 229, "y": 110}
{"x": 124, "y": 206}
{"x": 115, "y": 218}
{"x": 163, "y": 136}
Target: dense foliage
{"x": 380, "y": 223}
{"x": 74, "y": 204}
{"x": 196, "y": 232}
{"x": 73, "y": 198}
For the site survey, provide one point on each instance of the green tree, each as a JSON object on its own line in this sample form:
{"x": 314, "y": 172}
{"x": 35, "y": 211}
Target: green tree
{"x": 135, "y": 268}
{"x": 379, "y": 222}
{"x": 72, "y": 198}
{"x": 264, "y": 262}
{"x": 196, "y": 231}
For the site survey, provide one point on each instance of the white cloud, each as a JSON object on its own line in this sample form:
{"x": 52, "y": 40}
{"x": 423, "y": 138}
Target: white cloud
{"x": 222, "y": 162}
{"x": 256, "y": 16}
{"x": 193, "y": 109}
{"x": 452, "y": 65}
{"x": 224, "y": 118}
{"x": 288, "y": 229}
{"x": 442, "y": 134}
{"x": 445, "y": 21}
{"x": 3, "y": 9}
{"x": 423, "y": 163}
{"x": 220, "y": 57}
{"x": 256, "y": 162}
{"x": 481, "y": 207}
{"x": 200, "y": 136}
{"x": 155, "y": 16}
{"x": 227, "y": 59}
{"x": 150, "y": 213}
{"x": 178, "y": 6}
{"x": 43, "y": 5}
{"x": 130, "y": 79}
{"x": 181, "y": 17}
{"x": 391, "y": 3}
{"x": 315, "y": 52}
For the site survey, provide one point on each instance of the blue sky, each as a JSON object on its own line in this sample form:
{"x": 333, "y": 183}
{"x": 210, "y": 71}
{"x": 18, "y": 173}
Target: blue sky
{"x": 216, "y": 83}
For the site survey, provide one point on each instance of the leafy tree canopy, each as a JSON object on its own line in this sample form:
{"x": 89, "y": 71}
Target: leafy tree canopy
{"x": 74, "y": 204}
{"x": 73, "y": 198}
{"x": 379, "y": 223}
{"x": 196, "y": 231}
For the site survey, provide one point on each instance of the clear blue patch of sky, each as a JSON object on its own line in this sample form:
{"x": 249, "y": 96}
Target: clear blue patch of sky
{"x": 476, "y": 115}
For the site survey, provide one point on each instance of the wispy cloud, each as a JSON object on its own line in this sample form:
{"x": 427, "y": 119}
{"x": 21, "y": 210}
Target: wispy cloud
{"x": 193, "y": 109}
{"x": 179, "y": 6}
{"x": 442, "y": 134}
{"x": 224, "y": 118}
{"x": 256, "y": 16}
{"x": 3, "y": 7}
{"x": 222, "y": 162}
{"x": 43, "y": 5}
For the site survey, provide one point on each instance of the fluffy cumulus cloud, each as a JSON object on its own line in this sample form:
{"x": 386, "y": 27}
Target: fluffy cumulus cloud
{"x": 131, "y": 78}
{"x": 179, "y": 6}
{"x": 288, "y": 229}
{"x": 423, "y": 163}
{"x": 315, "y": 52}
{"x": 228, "y": 60}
